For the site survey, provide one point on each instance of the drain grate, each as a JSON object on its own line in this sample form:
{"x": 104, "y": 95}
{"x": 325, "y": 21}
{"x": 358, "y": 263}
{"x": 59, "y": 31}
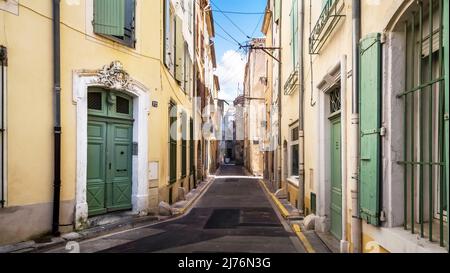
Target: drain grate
{"x": 223, "y": 218}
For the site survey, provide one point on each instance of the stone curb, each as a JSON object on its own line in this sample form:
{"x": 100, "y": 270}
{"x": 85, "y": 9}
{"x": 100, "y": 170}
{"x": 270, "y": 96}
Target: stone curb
{"x": 33, "y": 246}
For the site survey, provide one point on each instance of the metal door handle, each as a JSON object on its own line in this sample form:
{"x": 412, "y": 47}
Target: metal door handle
{"x": 123, "y": 170}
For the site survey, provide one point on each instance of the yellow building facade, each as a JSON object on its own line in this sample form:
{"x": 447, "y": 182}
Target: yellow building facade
{"x": 358, "y": 158}
{"x": 130, "y": 66}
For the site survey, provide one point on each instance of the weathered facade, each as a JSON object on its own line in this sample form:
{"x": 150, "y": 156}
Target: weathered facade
{"x": 125, "y": 89}
{"x": 255, "y": 81}
{"x": 364, "y": 119}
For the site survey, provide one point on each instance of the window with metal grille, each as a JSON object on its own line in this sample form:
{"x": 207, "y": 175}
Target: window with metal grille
{"x": 425, "y": 193}
{"x": 335, "y": 100}
{"x": 294, "y": 152}
{"x": 122, "y": 105}
{"x": 295, "y": 134}
{"x": 95, "y": 101}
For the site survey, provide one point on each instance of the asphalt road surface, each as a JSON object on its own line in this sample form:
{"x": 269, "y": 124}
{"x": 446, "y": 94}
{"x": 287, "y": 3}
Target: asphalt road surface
{"x": 234, "y": 215}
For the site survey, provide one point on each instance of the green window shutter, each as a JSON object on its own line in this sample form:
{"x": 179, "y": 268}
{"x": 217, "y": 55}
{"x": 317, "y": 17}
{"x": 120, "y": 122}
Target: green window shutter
{"x": 179, "y": 50}
{"x": 184, "y": 146}
{"x": 294, "y": 33}
{"x": 172, "y": 145}
{"x": 109, "y": 17}
{"x": 277, "y": 10}
{"x": 370, "y": 124}
{"x": 191, "y": 148}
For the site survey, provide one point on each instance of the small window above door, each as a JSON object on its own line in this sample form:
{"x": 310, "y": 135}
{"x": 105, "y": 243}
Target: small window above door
{"x": 95, "y": 101}
{"x": 123, "y": 105}
{"x": 105, "y": 103}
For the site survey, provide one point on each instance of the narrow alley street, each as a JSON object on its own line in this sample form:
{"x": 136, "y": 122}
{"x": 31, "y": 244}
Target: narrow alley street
{"x": 233, "y": 216}
{"x": 224, "y": 126}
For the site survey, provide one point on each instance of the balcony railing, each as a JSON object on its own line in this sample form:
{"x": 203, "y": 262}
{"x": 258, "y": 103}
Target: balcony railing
{"x": 328, "y": 20}
{"x": 291, "y": 83}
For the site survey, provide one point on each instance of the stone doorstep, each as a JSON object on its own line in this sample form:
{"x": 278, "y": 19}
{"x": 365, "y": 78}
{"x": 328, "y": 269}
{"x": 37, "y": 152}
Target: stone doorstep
{"x": 116, "y": 225}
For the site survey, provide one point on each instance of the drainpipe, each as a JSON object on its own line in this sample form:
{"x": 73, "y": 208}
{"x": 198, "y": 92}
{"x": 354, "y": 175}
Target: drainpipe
{"x": 301, "y": 112}
{"x": 356, "y": 220}
{"x": 57, "y": 115}
{"x": 279, "y": 161}
{"x": 4, "y": 63}
{"x": 344, "y": 242}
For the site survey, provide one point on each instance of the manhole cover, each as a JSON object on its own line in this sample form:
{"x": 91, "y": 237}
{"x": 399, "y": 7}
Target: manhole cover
{"x": 223, "y": 218}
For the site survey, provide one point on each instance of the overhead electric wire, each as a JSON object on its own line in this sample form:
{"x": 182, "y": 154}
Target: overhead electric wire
{"x": 239, "y": 12}
{"x": 229, "y": 19}
{"x": 226, "y": 32}
{"x": 224, "y": 38}
{"x": 260, "y": 19}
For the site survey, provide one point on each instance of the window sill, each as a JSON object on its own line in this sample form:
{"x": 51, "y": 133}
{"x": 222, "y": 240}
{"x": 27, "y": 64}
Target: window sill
{"x": 398, "y": 240}
{"x": 129, "y": 45}
{"x": 294, "y": 180}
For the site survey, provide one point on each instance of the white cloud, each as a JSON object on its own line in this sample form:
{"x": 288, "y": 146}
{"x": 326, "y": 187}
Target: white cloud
{"x": 231, "y": 74}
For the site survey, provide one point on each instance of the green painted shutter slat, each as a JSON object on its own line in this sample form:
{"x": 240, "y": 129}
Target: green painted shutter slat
{"x": 184, "y": 146}
{"x": 109, "y": 17}
{"x": 294, "y": 33}
{"x": 179, "y": 50}
{"x": 172, "y": 146}
{"x": 191, "y": 149}
{"x": 370, "y": 119}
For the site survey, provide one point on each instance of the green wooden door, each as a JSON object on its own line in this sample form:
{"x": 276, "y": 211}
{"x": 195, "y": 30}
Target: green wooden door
{"x": 119, "y": 158}
{"x": 110, "y": 144}
{"x": 96, "y": 171}
{"x": 336, "y": 178}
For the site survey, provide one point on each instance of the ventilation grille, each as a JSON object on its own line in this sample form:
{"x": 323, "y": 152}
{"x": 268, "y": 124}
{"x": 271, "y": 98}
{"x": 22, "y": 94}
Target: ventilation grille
{"x": 123, "y": 106}
{"x": 95, "y": 101}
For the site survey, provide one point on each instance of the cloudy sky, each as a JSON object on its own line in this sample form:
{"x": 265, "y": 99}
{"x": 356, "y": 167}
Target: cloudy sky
{"x": 235, "y": 22}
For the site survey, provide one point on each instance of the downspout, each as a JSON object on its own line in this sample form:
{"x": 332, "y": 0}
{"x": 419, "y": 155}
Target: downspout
{"x": 344, "y": 242}
{"x": 301, "y": 112}
{"x": 57, "y": 115}
{"x": 356, "y": 220}
{"x": 4, "y": 63}
{"x": 279, "y": 160}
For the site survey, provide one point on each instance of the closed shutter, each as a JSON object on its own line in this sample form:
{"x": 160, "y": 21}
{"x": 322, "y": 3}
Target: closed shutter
{"x": 109, "y": 17}
{"x": 294, "y": 34}
{"x": 370, "y": 123}
{"x": 191, "y": 149}
{"x": 179, "y": 47}
{"x": 173, "y": 143}
{"x": 184, "y": 146}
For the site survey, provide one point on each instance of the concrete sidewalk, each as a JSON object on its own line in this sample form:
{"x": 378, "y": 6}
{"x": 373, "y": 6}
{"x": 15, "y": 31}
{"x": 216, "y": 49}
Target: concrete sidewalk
{"x": 311, "y": 240}
{"x": 108, "y": 224}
